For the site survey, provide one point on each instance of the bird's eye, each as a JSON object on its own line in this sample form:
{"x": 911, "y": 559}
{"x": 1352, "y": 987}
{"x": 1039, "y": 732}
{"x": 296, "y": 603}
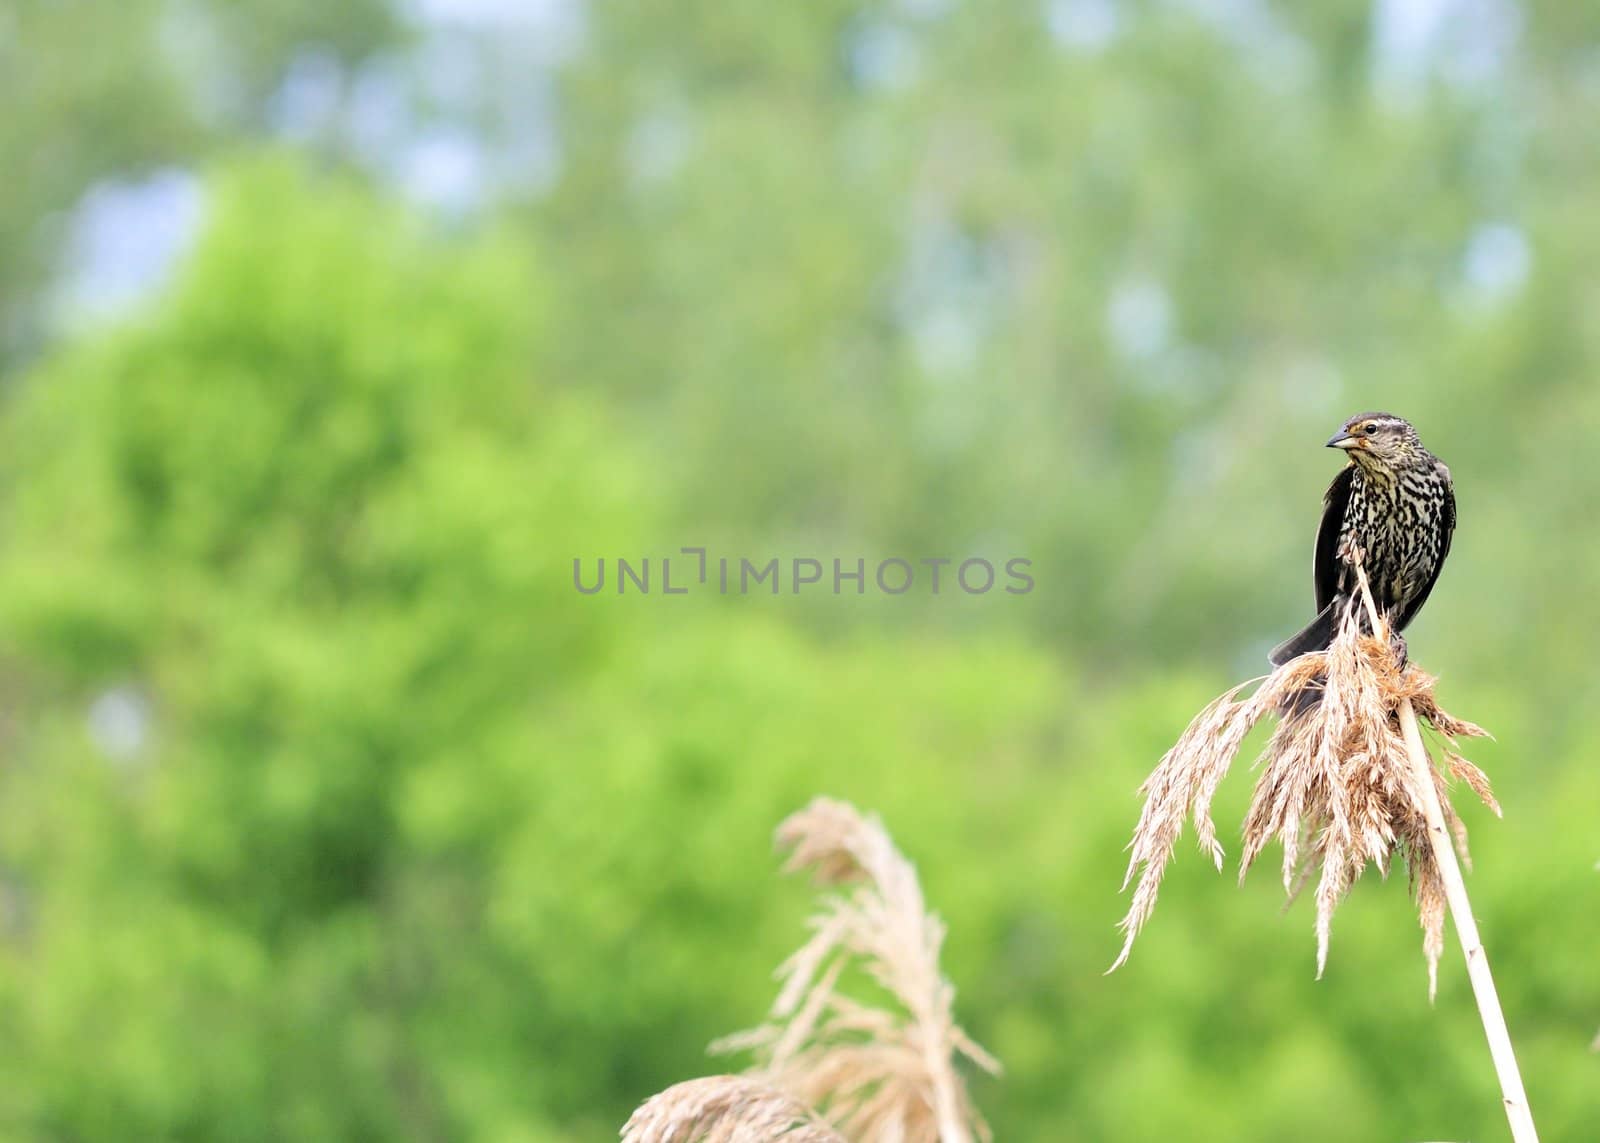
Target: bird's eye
{"x": 1370, "y": 427}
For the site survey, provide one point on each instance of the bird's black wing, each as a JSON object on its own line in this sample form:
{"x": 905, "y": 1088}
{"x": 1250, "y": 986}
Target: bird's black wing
{"x": 1447, "y": 529}
{"x": 1325, "y": 565}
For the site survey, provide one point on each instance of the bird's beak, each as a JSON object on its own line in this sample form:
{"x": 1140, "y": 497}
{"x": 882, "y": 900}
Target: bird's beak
{"x": 1344, "y": 440}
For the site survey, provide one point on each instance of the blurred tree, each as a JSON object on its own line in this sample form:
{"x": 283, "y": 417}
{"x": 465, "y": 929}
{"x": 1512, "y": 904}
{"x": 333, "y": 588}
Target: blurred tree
{"x": 89, "y": 92}
{"x": 1088, "y": 282}
{"x": 295, "y": 546}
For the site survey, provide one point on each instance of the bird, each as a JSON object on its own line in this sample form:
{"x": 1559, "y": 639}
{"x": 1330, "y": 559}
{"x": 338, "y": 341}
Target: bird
{"x": 1393, "y": 505}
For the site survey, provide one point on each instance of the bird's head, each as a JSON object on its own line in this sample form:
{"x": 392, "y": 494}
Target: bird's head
{"x": 1378, "y": 440}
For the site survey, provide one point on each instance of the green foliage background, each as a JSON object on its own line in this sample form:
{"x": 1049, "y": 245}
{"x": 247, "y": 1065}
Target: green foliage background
{"x": 410, "y": 840}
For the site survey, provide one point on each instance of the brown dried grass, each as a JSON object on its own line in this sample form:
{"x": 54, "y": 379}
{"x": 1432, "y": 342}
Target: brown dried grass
{"x": 878, "y": 1072}
{"x": 1336, "y": 788}
{"x": 725, "y": 1109}
{"x": 831, "y": 1068}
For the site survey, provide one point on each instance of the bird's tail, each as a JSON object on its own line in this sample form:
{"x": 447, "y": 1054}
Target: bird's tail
{"x": 1314, "y": 636}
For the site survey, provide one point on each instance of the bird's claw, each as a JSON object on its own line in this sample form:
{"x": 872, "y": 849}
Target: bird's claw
{"x": 1397, "y": 645}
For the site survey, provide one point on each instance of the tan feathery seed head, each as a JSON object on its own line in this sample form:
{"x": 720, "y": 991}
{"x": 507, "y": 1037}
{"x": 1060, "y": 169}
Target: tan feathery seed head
{"x": 1336, "y": 789}
{"x": 876, "y": 1072}
{"x": 725, "y": 1109}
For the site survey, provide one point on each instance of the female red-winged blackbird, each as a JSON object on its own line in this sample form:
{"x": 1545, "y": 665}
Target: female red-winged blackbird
{"x": 1392, "y": 504}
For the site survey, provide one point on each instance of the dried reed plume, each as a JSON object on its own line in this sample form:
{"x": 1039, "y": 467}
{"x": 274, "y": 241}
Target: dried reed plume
{"x": 1345, "y": 780}
{"x": 875, "y": 1072}
{"x": 869, "y": 1072}
{"x": 725, "y": 1109}
{"x": 1336, "y": 788}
